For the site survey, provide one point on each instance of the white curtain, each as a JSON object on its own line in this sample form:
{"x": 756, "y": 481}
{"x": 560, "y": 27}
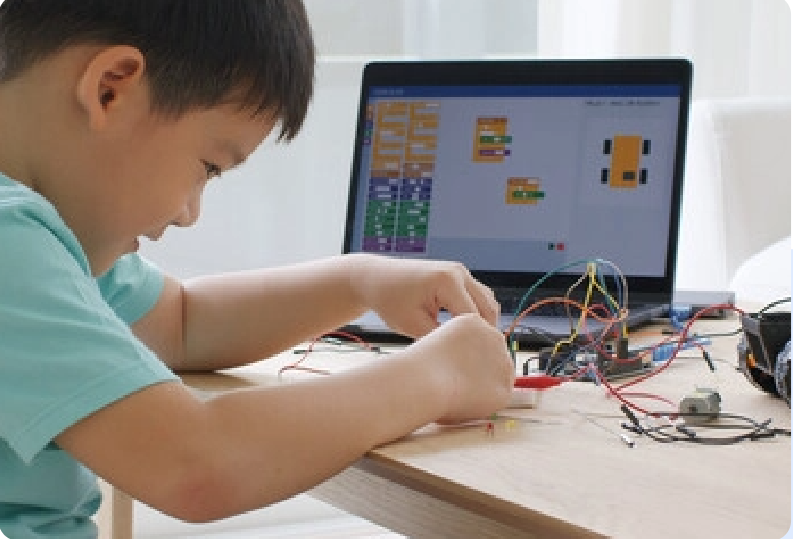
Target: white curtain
{"x": 288, "y": 202}
{"x": 738, "y": 47}
{"x": 364, "y": 29}
{"x": 741, "y": 53}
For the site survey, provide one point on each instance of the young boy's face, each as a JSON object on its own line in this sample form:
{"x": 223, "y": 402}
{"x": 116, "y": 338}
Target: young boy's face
{"x": 88, "y": 140}
{"x": 130, "y": 171}
{"x": 155, "y": 175}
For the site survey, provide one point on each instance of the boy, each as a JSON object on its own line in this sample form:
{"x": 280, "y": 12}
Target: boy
{"x": 114, "y": 114}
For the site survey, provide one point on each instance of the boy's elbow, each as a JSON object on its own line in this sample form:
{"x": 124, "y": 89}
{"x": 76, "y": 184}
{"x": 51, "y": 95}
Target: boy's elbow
{"x": 199, "y": 497}
{"x": 203, "y": 493}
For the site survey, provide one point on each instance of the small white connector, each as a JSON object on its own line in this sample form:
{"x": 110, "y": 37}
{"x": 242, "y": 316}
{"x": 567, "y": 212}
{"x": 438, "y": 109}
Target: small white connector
{"x": 524, "y": 398}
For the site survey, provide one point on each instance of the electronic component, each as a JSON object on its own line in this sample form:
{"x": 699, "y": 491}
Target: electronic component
{"x": 704, "y": 403}
{"x": 686, "y": 303}
{"x": 524, "y": 398}
{"x": 663, "y": 352}
{"x": 537, "y": 381}
{"x": 557, "y": 359}
{"x": 764, "y": 337}
{"x": 526, "y": 393}
{"x": 617, "y": 360}
{"x": 612, "y": 359}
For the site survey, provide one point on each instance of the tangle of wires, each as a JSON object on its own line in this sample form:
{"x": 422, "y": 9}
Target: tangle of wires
{"x": 667, "y": 430}
{"x": 601, "y": 302}
{"x": 611, "y": 309}
{"x": 580, "y": 356}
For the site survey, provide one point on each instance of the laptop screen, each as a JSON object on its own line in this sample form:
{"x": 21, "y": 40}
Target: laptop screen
{"x": 521, "y": 178}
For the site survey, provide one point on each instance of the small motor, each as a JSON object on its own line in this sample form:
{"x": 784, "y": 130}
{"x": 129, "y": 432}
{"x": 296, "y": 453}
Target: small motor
{"x": 701, "y": 406}
{"x": 764, "y": 352}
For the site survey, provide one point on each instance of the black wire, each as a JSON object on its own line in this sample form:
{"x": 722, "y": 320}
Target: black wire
{"x": 739, "y": 330}
{"x": 658, "y": 433}
{"x": 534, "y": 331}
{"x": 774, "y": 304}
{"x": 733, "y": 333}
{"x": 542, "y": 333}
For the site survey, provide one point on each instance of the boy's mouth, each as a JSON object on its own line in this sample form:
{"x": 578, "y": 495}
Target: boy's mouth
{"x": 155, "y": 236}
{"x": 152, "y": 236}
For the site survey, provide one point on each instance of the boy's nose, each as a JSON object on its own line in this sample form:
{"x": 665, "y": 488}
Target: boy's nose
{"x": 190, "y": 213}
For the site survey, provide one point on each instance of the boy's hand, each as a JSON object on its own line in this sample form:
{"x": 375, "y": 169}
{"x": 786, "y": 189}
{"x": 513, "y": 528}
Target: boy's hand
{"x": 473, "y": 367}
{"x": 408, "y": 294}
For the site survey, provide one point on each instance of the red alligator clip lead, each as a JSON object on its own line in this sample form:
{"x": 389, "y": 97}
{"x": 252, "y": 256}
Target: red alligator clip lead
{"x": 537, "y": 381}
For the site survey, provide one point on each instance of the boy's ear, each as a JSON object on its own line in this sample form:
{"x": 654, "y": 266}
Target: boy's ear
{"x": 112, "y": 79}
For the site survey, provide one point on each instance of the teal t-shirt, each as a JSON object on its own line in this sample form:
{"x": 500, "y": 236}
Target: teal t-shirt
{"x": 66, "y": 351}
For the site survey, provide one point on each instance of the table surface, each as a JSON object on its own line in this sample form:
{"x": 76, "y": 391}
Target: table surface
{"x": 560, "y": 469}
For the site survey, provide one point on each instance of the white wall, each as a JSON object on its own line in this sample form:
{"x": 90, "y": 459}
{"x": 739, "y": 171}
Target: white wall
{"x": 739, "y": 48}
{"x": 287, "y": 203}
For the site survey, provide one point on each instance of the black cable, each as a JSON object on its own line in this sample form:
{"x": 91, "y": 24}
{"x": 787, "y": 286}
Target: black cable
{"x": 688, "y": 433}
{"x": 774, "y": 304}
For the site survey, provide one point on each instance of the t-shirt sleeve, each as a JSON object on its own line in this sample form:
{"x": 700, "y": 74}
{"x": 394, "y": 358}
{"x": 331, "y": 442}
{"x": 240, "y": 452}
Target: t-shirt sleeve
{"x": 66, "y": 349}
{"x": 131, "y": 287}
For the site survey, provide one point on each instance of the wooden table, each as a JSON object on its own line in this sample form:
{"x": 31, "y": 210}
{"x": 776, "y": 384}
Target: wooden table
{"x": 561, "y": 470}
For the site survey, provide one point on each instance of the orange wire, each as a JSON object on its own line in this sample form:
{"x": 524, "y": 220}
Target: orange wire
{"x": 591, "y": 311}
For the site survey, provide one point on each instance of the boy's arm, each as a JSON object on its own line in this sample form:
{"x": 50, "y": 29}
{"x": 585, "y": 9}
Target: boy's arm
{"x": 232, "y": 319}
{"x": 204, "y": 460}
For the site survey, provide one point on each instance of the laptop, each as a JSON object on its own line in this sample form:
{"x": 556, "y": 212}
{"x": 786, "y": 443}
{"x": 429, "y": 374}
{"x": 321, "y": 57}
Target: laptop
{"x": 523, "y": 171}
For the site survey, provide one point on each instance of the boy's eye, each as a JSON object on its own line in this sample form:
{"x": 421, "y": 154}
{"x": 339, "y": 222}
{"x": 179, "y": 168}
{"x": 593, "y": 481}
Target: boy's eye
{"x": 212, "y": 170}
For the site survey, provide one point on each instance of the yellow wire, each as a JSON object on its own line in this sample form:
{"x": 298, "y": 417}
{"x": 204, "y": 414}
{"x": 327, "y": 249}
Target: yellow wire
{"x": 591, "y": 273}
{"x": 610, "y": 298}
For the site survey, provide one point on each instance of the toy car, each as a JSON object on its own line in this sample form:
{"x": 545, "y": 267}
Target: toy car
{"x": 764, "y": 352}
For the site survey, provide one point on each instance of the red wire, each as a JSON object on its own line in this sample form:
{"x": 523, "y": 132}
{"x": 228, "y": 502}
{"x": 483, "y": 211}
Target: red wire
{"x": 591, "y": 311}
{"x": 310, "y": 348}
{"x": 651, "y": 396}
{"x": 683, "y": 336}
{"x": 610, "y": 321}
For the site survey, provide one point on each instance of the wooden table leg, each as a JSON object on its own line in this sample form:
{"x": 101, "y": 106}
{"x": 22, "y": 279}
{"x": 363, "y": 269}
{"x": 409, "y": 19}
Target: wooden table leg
{"x": 115, "y": 514}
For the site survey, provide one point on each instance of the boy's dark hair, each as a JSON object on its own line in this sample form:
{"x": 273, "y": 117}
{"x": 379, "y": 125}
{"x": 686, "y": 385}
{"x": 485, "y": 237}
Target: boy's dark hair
{"x": 199, "y": 53}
